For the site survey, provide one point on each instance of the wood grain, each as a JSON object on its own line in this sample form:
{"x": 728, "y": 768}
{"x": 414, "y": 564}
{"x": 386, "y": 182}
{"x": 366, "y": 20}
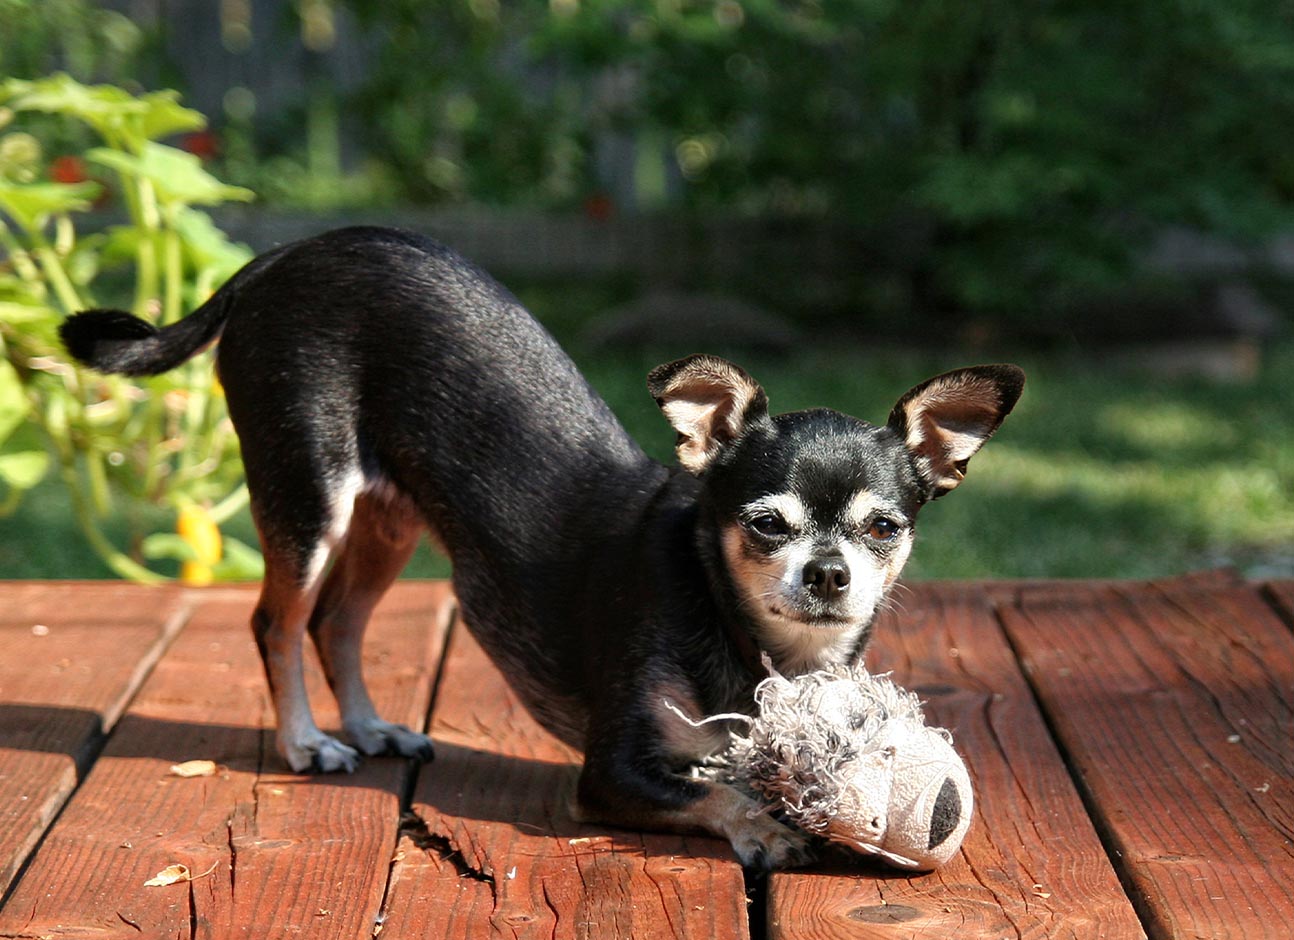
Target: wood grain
{"x": 1031, "y": 864}
{"x": 1282, "y": 594}
{"x": 71, "y": 657}
{"x": 1175, "y": 704}
{"x": 492, "y": 851}
{"x": 277, "y": 853}
{"x": 1172, "y": 704}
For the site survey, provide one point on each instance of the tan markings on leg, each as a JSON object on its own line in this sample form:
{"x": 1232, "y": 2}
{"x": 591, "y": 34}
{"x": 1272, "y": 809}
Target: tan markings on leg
{"x": 279, "y": 624}
{"x": 384, "y": 531}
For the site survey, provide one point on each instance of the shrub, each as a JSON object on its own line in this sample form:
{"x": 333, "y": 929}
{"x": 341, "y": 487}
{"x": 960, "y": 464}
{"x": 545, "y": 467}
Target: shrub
{"x": 118, "y": 446}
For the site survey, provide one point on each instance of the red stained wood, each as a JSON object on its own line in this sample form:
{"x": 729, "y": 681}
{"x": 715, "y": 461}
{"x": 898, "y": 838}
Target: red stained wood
{"x": 1171, "y": 702}
{"x": 1282, "y": 593}
{"x": 277, "y": 854}
{"x": 1031, "y": 864}
{"x": 1175, "y": 703}
{"x": 492, "y": 850}
{"x": 71, "y": 656}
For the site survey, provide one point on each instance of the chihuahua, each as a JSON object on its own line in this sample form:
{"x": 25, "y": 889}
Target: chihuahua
{"x": 381, "y": 386}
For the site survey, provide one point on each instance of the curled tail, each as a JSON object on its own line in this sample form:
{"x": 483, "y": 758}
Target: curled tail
{"x": 116, "y": 341}
{"x": 119, "y": 342}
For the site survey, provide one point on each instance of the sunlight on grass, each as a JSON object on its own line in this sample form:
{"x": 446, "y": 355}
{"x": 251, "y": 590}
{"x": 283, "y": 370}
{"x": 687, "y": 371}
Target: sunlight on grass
{"x": 1098, "y": 473}
{"x": 1166, "y": 425}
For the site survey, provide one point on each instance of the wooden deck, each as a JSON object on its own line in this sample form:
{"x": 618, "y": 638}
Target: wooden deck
{"x": 1131, "y": 745}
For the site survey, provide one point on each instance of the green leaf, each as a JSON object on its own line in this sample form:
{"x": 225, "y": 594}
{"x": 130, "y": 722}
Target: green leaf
{"x": 31, "y": 204}
{"x": 240, "y": 562}
{"x": 208, "y": 248}
{"x": 121, "y": 243}
{"x": 167, "y": 545}
{"x": 22, "y": 314}
{"x": 164, "y": 115}
{"x": 14, "y": 405}
{"x": 83, "y": 263}
{"x": 24, "y": 469}
{"x": 110, "y": 110}
{"x": 177, "y": 176}
{"x": 103, "y": 107}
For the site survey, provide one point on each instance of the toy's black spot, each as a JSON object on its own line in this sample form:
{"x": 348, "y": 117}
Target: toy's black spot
{"x": 947, "y": 813}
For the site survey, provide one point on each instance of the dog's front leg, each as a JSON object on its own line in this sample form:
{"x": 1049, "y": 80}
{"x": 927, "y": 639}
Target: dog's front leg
{"x": 635, "y": 794}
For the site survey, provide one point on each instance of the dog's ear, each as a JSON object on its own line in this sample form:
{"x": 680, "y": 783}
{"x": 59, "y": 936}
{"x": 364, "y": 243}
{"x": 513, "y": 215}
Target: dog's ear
{"x": 709, "y": 401}
{"x": 945, "y": 420}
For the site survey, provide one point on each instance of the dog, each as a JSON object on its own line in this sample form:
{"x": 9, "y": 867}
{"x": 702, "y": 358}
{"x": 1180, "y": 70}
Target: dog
{"x": 382, "y": 386}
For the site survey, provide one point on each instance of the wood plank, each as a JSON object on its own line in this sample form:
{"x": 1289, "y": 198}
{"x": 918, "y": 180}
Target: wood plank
{"x": 278, "y": 853}
{"x": 1175, "y": 703}
{"x": 71, "y": 657}
{"x": 1031, "y": 864}
{"x": 1282, "y": 592}
{"x": 492, "y": 850}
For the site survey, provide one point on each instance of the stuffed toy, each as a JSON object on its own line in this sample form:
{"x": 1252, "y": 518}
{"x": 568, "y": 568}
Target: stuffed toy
{"x": 847, "y": 756}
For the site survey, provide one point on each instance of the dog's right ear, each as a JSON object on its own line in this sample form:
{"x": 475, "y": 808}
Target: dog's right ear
{"x": 709, "y": 401}
{"x": 945, "y": 421}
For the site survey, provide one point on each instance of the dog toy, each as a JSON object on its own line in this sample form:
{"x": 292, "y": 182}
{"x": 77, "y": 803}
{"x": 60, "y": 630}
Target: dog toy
{"x": 847, "y": 755}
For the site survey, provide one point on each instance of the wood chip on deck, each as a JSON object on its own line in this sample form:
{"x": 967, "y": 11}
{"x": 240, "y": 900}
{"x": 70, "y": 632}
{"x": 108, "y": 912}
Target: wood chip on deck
{"x": 71, "y": 657}
{"x": 274, "y": 850}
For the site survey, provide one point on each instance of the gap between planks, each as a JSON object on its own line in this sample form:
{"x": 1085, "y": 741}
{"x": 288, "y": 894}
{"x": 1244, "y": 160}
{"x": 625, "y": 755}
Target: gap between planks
{"x": 1172, "y": 702}
{"x": 292, "y": 848}
{"x": 64, "y": 705}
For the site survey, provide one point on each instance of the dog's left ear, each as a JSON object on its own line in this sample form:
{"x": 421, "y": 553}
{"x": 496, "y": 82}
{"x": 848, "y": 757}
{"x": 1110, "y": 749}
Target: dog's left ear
{"x": 945, "y": 420}
{"x": 709, "y": 401}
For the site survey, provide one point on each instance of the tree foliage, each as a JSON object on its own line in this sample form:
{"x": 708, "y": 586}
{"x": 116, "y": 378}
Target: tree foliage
{"x": 1034, "y": 146}
{"x": 1039, "y": 142}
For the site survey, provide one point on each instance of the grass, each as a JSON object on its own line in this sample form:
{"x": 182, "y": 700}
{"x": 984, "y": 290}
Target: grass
{"x": 1102, "y": 471}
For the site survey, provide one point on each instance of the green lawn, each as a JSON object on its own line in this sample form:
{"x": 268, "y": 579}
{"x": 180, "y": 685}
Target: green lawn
{"x": 1100, "y": 472}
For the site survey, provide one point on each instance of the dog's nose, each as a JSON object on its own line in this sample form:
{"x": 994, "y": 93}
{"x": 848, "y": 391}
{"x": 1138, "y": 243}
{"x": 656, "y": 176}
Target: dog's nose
{"x": 827, "y": 577}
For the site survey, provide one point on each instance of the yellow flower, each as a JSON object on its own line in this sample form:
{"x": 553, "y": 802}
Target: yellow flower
{"x": 196, "y": 527}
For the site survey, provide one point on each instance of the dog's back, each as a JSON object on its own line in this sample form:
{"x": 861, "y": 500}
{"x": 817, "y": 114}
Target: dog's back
{"x": 381, "y": 362}
{"x": 420, "y": 368}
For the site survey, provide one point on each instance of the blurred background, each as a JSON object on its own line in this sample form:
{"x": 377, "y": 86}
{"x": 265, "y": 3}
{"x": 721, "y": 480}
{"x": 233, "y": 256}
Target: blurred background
{"x": 845, "y": 195}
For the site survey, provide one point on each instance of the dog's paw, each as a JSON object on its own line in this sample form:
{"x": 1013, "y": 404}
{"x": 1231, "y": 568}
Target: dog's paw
{"x": 320, "y": 754}
{"x": 375, "y": 737}
{"x": 767, "y": 844}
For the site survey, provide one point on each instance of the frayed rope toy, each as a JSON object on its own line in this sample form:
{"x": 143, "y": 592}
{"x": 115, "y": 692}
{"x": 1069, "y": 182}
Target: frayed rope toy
{"x": 847, "y": 756}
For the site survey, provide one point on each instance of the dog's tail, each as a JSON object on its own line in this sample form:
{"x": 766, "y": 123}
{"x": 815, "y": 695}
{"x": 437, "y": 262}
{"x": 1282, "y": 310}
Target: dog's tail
{"x": 122, "y": 343}
{"x": 116, "y": 341}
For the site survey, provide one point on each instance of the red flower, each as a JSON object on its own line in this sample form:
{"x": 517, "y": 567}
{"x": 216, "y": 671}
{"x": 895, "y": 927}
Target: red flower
{"x": 599, "y": 207}
{"x": 67, "y": 169}
{"x": 204, "y": 145}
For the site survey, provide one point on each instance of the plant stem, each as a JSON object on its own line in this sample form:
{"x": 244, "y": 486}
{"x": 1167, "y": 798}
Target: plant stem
{"x": 174, "y": 276}
{"x": 155, "y": 417}
{"x": 145, "y": 214}
{"x": 224, "y": 510}
{"x": 20, "y": 256}
{"x": 55, "y": 274}
{"x": 121, "y": 565}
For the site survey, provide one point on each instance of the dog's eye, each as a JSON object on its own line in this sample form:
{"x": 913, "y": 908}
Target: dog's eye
{"x": 882, "y": 530}
{"x": 768, "y": 525}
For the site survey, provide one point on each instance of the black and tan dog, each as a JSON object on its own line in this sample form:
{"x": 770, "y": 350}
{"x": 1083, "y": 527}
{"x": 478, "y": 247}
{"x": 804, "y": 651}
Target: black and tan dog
{"x": 381, "y": 386}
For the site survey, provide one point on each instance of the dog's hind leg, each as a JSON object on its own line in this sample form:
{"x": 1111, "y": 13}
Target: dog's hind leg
{"x": 296, "y": 557}
{"x": 279, "y": 625}
{"x": 382, "y": 535}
